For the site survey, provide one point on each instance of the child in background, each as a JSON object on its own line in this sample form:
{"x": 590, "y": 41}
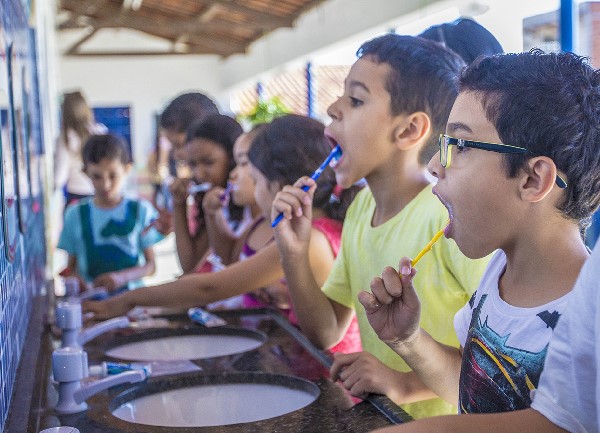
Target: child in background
{"x": 226, "y": 248}
{"x": 77, "y": 124}
{"x": 288, "y": 147}
{"x": 522, "y": 177}
{"x": 465, "y": 37}
{"x": 397, "y": 97}
{"x": 209, "y": 150}
{"x": 109, "y": 237}
{"x": 180, "y": 114}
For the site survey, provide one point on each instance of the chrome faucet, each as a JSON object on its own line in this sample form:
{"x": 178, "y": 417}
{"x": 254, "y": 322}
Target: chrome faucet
{"x": 69, "y": 366}
{"x": 69, "y": 319}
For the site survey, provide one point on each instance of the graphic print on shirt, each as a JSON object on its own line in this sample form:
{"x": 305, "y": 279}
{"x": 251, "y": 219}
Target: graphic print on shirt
{"x": 108, "y": 257}
{"x": 496, "y": 377}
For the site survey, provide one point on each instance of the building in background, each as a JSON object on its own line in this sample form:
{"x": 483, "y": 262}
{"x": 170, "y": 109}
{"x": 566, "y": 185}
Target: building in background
{"x": 542, "y": 31}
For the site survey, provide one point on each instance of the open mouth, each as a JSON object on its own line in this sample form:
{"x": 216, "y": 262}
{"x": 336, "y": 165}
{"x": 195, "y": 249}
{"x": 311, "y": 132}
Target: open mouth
{"x": 333, "y": 143}
{"x": 448, "y": 207}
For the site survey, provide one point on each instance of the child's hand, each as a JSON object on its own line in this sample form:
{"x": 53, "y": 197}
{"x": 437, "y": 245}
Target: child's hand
{"x": 104, "y": 310}
{"x": 179, "y": 191}
{"x": 164, "y": 223}
{"x": 111, "y": 280}
{"x": 293, "y": 231}
{"x": 361, "y": 373}
{"x": 212, "y": 201}
{"x": 393, "y": 308}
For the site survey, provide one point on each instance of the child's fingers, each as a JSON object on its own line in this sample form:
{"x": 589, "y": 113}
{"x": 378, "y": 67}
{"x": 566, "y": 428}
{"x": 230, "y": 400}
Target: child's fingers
{"x": 392, "y": 282}
{"x": 305, "y": 181}
{"x": 340, "y": 361}
{"x": 288, "y": 202}
{"x": 380, "y": 291}
{"x": 369, "y": 301}
{"x": 407, "y": 274}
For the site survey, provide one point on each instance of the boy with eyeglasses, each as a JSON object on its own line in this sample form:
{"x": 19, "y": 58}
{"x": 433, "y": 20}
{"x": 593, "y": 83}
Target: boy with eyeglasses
{"x": 519, "y": 172}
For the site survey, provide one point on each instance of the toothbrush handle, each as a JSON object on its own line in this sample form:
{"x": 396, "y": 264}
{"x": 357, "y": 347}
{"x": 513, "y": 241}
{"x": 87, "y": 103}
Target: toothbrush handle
{"x": 280, "y": 216}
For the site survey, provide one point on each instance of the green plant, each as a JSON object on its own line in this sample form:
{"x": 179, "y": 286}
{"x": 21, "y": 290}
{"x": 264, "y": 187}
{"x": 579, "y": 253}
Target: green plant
{"x": 265, "y": 111}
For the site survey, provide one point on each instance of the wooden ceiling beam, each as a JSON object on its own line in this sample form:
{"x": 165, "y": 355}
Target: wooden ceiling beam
{"x": 257, "y": 17}
{"x": 73, "y": 48}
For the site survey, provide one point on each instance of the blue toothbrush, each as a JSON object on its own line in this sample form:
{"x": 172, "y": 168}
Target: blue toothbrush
{"x": 335, "y": 154}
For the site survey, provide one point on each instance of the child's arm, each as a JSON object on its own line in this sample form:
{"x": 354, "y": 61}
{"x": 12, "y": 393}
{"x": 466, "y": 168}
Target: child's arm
{"x": 361, "y": 373}
{"x": 393, "y": 310}
{"x": 527, "y": 420}
{"x": 322, "y": 320}
{"x": 114, "y": 280}
{"x": 189, "y": 248}
{"x": 220, "y": 238}
{"x": 198, "y": 289}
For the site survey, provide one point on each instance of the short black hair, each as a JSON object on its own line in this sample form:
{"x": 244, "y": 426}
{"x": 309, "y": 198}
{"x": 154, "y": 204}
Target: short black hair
{"x": 105, "y": 146}
{"x": 185, "y": 110}
{"x": 550, "y": 105}
{"x": 465, "y": 37}
{"x": 424, "y": 78}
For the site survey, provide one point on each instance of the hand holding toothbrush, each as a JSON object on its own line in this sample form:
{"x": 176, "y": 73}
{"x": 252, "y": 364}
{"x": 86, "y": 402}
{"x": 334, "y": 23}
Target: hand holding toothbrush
{"x": 215, "y": 200}
{"x": 393, "y": 307}
{"x": 294, "y": 203}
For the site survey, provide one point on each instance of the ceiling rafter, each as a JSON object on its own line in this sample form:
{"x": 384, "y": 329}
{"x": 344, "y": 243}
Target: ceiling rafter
{"x": 222, "y": 27}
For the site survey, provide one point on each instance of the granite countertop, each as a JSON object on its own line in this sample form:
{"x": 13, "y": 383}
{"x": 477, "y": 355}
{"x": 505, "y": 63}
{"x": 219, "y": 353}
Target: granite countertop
{"x": 285, "y": 353}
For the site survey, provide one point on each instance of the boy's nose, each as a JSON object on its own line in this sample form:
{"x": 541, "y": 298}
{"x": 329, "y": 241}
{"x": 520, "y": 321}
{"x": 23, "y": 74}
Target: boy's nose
{"x": 434, "y": 166}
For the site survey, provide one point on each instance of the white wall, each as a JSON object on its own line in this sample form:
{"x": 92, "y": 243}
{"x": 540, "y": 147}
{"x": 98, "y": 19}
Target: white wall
{"x": 145, "y": 83}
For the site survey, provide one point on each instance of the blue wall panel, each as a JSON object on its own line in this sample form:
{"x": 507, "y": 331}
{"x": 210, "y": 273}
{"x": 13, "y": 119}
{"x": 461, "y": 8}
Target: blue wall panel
{"x": 22, "y": 278}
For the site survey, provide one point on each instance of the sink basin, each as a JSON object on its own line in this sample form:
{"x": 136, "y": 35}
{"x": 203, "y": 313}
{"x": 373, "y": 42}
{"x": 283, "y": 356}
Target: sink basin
{"x": 186, "y": 345}
{"x": 214, "y": 400}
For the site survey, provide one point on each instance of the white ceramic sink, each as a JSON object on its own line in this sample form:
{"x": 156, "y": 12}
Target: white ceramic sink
{"x": 219, "y": 404}
{"x": 183, "y": 347}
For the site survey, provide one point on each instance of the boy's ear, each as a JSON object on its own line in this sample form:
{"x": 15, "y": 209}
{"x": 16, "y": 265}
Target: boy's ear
{"x": 128, "y": 167}
{"x": 413, "y": 129}
{"x": 538, "y": 179}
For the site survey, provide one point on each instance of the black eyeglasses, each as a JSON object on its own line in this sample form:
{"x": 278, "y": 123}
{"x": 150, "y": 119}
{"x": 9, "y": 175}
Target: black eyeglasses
{"x": 446, "y": 141}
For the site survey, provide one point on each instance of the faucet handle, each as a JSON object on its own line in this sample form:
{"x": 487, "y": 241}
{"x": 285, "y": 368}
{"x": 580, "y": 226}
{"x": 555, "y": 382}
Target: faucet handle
{"x": 87, "y": 391}
{"x": 69, "y": 364}
{"x": 68, "y": 315}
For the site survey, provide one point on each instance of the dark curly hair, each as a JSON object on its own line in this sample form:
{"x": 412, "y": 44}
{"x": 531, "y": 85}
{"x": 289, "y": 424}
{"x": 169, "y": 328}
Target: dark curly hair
{"x": 293, "y": 146}
{"x": 549, "y": 104}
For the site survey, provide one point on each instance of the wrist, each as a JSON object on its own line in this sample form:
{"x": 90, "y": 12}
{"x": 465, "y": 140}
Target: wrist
{"x": 405, "y": 345}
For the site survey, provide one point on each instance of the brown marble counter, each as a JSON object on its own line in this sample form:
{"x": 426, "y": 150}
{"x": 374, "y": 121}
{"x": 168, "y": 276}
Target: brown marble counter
{"x": 285, "y": 353}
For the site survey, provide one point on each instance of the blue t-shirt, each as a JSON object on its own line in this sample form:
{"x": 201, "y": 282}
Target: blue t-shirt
{"x": 108, "y": 240}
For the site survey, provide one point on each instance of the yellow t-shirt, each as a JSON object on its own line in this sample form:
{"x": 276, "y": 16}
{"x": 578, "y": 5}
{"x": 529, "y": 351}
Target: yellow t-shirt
{"x": 444, "y": 282}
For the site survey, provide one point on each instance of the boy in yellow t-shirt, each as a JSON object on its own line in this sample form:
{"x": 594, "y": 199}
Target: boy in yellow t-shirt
{"x": 397, "y": 99}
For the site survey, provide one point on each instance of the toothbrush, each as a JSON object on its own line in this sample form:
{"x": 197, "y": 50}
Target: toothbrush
{"x": 429, "y": 246}
{"x": 227, "y": 191}
{"x": 201, "y": 187}
{"x": 335, "y": 154}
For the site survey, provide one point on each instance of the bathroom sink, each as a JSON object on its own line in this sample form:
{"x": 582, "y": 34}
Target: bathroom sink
{"x": 189, "y": 344}
{"x": 214, "y": 399}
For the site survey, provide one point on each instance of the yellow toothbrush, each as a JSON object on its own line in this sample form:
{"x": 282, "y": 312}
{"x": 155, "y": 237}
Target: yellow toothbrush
{"x": 429, "y": 245}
